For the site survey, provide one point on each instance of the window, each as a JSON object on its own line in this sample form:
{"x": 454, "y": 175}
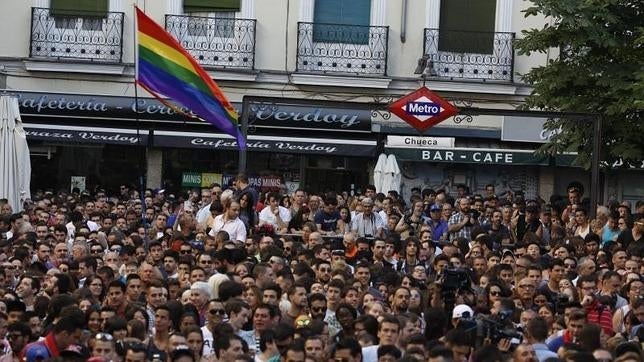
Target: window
{"x": 209, "y": 6}
{"x": 218, "y": 24}
{"x": 342, "y": 21}
{"x": 467, "y": 26}
{"x": 79, "y": 8}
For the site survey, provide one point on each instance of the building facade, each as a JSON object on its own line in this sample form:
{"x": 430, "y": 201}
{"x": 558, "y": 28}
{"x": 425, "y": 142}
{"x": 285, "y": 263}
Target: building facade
{"x": 70, "y": 62}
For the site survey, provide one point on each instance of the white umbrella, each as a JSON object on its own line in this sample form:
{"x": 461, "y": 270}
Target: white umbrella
{"x": 15, "y": 165}
{"x": 392, "y": 175}
{"x": 379, "y": 171}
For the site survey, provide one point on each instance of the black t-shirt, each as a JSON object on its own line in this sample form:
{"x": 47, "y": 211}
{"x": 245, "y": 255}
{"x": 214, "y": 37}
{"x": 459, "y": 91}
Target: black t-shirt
{"x": 328, "y": 222}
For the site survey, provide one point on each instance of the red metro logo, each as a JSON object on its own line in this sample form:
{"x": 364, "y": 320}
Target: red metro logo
{"x": 422, "y": 109}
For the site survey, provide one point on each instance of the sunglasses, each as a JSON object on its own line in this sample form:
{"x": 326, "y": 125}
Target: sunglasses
{"x": 496, "y": 294}
{"x": 217, "y": 312}
{"x": 104, "y": 337}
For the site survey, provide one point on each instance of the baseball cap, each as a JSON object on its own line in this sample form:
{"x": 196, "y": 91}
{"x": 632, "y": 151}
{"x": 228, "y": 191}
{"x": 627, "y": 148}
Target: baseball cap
{"x": 461, "y": 309}
{"x": 36, "y": 352}
{"x": 435, "y": 207}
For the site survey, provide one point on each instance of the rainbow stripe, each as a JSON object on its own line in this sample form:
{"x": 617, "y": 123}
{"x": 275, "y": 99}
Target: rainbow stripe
{"x": 165, "y": 68}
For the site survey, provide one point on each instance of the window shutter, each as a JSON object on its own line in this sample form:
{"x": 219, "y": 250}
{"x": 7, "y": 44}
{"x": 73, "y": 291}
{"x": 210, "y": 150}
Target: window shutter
{"x": 210, "y": 6}
{"x": 79, "y": 8}
{"x": 338, "y": 13}
{"x": 467, "y": 26}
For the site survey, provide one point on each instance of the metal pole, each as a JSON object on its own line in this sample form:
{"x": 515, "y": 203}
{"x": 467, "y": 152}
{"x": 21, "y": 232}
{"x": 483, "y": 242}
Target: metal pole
{"x": 244, "y": 129}
{"x": 594, "y": 167}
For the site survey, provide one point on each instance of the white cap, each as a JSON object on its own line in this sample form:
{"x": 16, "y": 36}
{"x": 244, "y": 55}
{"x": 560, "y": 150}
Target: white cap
{"x": 460, "y": 309}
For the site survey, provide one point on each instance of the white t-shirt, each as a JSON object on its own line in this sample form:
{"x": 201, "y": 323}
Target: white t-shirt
{"x": 267, "y": 217}
{"x": 235, "y": 228}
{"x": 208, "y": 347}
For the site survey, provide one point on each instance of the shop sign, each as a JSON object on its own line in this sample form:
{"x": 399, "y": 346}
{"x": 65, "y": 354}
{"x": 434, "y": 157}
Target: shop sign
{"x": 262, "y": 183}
{"x": 191, "y": 179}
{"x": 420, "y": 142}
{"x": 266, "y": 144}
{"x": 208, "y": 179}
{"x": 129, "y": 108}
{"x": 422, "y": 109}
{"x": 78, "y": 182}
{"x": 526, "y": 129}
{"x": 477, "y": 156}
{"x": 74, "y": 134}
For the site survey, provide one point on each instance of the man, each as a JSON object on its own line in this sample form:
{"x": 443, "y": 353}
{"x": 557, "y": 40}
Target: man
{"x": 460, "y": 224}
{"x": 363, "y": 275}
{"x": 135, "y": 352}
{"x": 556, "y": 273}
{"x": 133, "y": 288}
{"x": 103, "y": 346}
{"x": 611, "y": 284}
{"x": 228, "y": 347}
{"x": 347, "y": 350}
{"x": 595, "y": 311}
{"x": 437, "y": 224}
{"x": 459, "y": 343}
{"x": 27, "y": 289}
{"x": 43, "y": 254}
{"x": 18, "y": 335}
{"x": 216, "y": 314}
{"x": 526, "y": 290}
{"x": 499, "y": 233}
{"x": 400, "y": 303}
{"x": 170, "y": 264}
{"x": 327, "y": 218}
{"x": 298, "y": 200}
{"x": 333, "y": 298}
{"x": 367, "y": 223}
{"x": 230, "y": 222}
{"x": 274, "y": 214}
{"x": 298, "y": 303}
{"x": 265, "y": 317}
{"x": 156, "y": 295}
{"x": 295, "y": 352}
{"x": 536, "y": 334}
{"x": 65, "y": 332}
{"x": 576, "y": 321}
{"x": 388, "y": 333}
{"x": 238, "y": 313}
{"x": 525, "y": 353}
{"x": 317, "y": 306}
{"x": 87, "y": 268}
{"x": 314, "y": 348}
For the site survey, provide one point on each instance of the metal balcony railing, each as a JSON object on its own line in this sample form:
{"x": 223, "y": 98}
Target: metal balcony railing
{"x": 215, "y": 42}
{"x": 469, "y": 55}
{"x": 336, "y": 48}
{"x": 89, "y": 38}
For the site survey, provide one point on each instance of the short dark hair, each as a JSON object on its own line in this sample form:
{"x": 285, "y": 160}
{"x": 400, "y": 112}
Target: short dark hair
{"x": 348, "y": 343}
{"x": 223, "y": 342}
{"x": 72, "y": 320}
{"x": 389, "y": 350}
{"x": 537, "y": 328}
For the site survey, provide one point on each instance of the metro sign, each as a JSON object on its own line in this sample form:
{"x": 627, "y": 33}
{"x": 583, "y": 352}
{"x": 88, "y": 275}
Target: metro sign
{"x": 422, "y": 109}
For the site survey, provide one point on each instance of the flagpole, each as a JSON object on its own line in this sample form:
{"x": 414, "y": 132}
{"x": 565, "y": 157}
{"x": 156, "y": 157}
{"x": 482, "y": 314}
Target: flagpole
{"x": 244, "y": 130}
{"x": 142, "y": 159}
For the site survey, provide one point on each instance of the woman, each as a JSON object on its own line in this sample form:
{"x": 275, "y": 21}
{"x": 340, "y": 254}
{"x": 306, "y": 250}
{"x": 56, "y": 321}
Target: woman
{"x": 416, "y": 301}
{"x": 495, "y": 291}
{"x": 246, "y": 211}
{"x": 285, "y": 201}
{"x": 298, "y": 221}
{"x": 241, "y": 269}
{"x": 93, "y": 319}
{"x": 253, "y": 296}
{"x": 345, "y": 216}
{"x": 194, "y": 339}
{"x": 546, "y": 312}
{"x": 96, "y": 287}
{"x": 634, "y": 290}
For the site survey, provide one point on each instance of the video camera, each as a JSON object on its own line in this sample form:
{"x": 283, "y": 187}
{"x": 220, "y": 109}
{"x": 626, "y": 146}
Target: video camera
{"x": 492, "y": 329}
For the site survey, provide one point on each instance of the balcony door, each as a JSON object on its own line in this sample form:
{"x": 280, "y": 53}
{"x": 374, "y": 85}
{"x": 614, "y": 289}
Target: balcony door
{"x": 81, "y": 29}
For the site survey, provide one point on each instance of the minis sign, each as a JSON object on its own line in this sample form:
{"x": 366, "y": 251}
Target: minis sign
{"x": 422, "y": 109}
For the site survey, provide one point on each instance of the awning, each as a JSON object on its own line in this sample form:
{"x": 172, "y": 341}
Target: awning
{"x": 262, "y": 143}
{"x": 470, "y": 155}
{"x": 94, "y": 135}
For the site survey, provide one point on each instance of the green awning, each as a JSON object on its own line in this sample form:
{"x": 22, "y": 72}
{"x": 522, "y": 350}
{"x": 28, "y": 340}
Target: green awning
{"x": 209, "y": 6}
{"x": 79, "y": 8}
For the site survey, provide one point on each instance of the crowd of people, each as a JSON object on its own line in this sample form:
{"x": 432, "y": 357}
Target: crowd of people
{"x": 228, "y": 273}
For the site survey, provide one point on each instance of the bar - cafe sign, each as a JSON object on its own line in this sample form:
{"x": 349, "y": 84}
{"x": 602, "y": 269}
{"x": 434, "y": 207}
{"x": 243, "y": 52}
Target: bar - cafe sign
{"x": 470, "y": 155}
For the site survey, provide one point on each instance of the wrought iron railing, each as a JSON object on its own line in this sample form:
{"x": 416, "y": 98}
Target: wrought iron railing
{"x": 91, "y": 38}
{"x": 470, "y": 55}
{"x": 331, "y": 48}
{"x": 215, "y": 42}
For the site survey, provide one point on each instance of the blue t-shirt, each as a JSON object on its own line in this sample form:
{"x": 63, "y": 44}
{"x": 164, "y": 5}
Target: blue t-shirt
{"x": 328, "y": 222}
{"x": 609, "y": 235}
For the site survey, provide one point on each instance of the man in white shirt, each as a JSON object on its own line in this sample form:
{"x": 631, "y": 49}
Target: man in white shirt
{"x": 274, "y": 214}
{"x": 367, "y": 223}
{"x": 207, "y": 196}
{"x": 229, "y": 222}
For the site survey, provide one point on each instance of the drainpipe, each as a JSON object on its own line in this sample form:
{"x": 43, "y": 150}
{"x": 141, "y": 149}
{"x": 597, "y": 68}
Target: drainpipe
{"x": 403, "y": 22}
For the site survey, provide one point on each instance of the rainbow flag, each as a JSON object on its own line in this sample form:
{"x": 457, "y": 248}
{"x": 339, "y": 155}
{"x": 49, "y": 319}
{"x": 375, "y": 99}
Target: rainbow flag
{"x": 165, "y": 69}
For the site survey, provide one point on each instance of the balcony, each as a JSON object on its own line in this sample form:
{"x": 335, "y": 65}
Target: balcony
{"x": 86, "y": 38}
{"x": 347, "y": 49}
{"x": 469, "y": 55}
{"x": 216, "y": 42}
